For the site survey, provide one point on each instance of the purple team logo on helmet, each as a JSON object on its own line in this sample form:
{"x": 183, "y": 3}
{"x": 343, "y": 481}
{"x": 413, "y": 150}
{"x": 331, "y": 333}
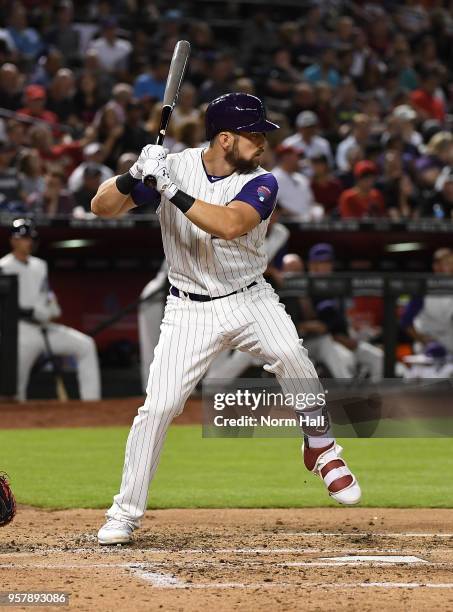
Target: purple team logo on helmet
{"x": 263, "y": 193}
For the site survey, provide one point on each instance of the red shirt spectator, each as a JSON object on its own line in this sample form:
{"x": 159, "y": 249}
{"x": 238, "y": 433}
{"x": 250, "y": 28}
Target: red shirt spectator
{"x": 68, "y": 155}
{"x": 425, "y": 100}
{"x": 325, "y": 186}
{"x": 431, "y": 105}
{"x": 35, "y": 101}
{"x": 363, "y": 200}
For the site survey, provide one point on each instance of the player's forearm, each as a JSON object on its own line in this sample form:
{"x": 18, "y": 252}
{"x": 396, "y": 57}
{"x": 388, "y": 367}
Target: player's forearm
{"x": 109, "y": 201}
{"x": 220, "y": 221}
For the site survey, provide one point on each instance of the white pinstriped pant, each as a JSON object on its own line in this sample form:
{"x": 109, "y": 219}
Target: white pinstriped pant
{"x": 192, "y": 334}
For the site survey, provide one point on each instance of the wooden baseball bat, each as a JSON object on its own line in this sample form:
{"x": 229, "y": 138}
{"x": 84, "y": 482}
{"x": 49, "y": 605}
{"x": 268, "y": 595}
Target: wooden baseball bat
{"x": 175, "y": 78}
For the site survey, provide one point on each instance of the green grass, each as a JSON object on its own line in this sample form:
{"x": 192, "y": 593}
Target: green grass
{"x": 64, "y": 468}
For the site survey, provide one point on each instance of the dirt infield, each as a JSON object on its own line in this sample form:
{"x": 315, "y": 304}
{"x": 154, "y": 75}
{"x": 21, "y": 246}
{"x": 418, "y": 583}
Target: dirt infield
{"x": 52, "y": 413}
{"x": 190, "y": 560}
{"x": 237, "y": 560}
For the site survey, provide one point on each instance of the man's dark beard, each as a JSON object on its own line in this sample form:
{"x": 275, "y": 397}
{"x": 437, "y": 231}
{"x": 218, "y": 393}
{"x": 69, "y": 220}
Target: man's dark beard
{"x": 242, "y": 166}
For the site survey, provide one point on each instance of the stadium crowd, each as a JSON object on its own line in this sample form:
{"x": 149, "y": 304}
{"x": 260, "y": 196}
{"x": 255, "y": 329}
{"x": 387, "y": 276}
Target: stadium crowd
{"x": 362, "y": 92}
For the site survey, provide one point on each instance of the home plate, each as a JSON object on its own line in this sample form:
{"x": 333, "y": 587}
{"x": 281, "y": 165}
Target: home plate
{"x": 393, "y": 559}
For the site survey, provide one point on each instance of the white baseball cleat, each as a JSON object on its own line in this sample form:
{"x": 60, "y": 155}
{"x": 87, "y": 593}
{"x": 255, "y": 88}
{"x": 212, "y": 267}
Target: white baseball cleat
{"x": 115, "y": 532}
{"x": 326, "y": 463}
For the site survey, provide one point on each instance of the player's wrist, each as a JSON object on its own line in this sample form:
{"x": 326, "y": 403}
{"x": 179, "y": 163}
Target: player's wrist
{"x": 179, "y": 198}
{"x": 182, "y": 200}
{"x": 126, "y": 182}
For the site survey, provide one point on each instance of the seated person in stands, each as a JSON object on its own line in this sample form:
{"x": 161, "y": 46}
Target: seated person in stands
{"x": 295, "y": 196}
{"x": 362, "y": 200}
{"x": 326, "y": 187}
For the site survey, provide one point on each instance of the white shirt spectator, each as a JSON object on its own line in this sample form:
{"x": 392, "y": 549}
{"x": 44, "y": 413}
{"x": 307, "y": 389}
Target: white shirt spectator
{"x": 75, "y": 180}
{"x": 317, "y": 146}
{"x": 294, "y": 193}
{"x": 342, "y": 152}
{"x": 112, "y": 56}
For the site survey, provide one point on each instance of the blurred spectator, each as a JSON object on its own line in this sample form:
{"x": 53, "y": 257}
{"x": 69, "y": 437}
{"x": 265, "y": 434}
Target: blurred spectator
{"x": 11, "y": 195}
{"x": 47, "y": 67}
{"x": 396, "y": 187}
{"x": 56, "y": 199}
{"x": 186, "y": 107}
{"x": 92, "y": 178}
{"x": 295, "y": 197}
{"x": 16, "y": 134}
{"x": 134, "y": 136}
{"x": 63, "y": 35}
{"x": 363, "y": 200}
{"x": 88, "y": 98}
{"x": 67, "y": 155}
{"x": 325, "y": 70}
{"x": 125, "y": 162}
{"x": 151, "y": 83}
{"x": 92, "y": 154}
{"x": 281, "y": 78}
{"x": 107, "y": 130}
{"x": 403, "y": 64}
{"x": 306, "y": 140}
{"x": 325, "y": 186}
{"x": 61, "y": 96}
{"x": 347, "y": 105}
{"x": 113, "y": 52}
{"x": 440, "y": 148}
{"x": 35, "y": 105}
{"x": 220, "y": 79}
{"x": 258, "y": 37}
{"x": 304, "y": 98}
{"x": 27, "y": 41}
{"x": 104, "y": 80}
{"x": 346, "y": 177}
{"x": 201, "y": 37}
{"x": 121, "y": 98}
{"x": 412, "y": 17}
{"x": 11, "y": 83}
{"x": 402, "y": 121}
{"x": 30, "y": 167}
{"x": 426, "y": 99}
{"x": 324, "y": 108}
{"x": 358, "y": 138}
{"x": 188, "y": 135}
{"x": 441, "y": 204}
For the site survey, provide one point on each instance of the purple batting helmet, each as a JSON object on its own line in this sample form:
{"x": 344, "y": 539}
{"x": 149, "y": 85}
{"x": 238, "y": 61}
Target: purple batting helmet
{"x": 237, "y": 112}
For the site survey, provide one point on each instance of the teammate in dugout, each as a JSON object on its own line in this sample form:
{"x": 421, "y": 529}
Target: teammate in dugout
{"x": 215, "y": 206}
{"x": 38, "y": 307}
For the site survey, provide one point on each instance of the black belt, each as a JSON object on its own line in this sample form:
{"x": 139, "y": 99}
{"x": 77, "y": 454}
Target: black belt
{"x": 195, "y": 297}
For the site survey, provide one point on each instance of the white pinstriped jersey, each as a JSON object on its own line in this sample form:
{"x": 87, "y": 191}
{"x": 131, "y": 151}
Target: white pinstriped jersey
{"x": 199, "y": 262}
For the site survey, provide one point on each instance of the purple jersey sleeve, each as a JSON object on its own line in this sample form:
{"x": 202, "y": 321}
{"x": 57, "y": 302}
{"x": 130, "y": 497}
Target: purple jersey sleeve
{"x": 261, "y": 193}
{"x": 141, "y": 194}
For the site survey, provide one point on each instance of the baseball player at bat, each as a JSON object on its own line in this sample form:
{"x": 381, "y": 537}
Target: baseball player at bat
{"x": 38, "y": 306}
{"x": 215, "y": 206}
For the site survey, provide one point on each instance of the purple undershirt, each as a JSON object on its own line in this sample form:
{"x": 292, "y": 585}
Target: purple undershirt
{"x": 141, "y": 194}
